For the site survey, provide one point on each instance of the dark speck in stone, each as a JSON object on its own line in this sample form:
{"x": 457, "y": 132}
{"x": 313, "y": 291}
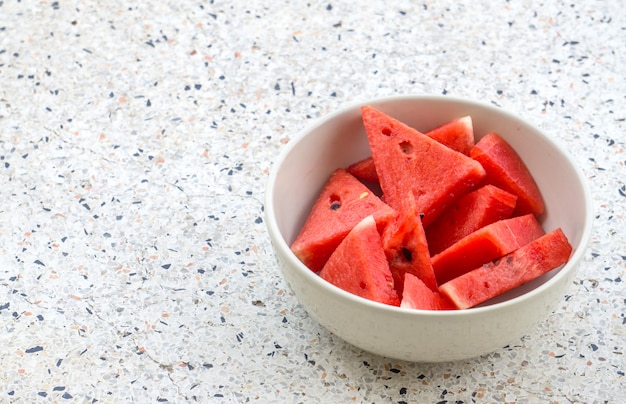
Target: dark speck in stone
{"x": 34, "y": 349}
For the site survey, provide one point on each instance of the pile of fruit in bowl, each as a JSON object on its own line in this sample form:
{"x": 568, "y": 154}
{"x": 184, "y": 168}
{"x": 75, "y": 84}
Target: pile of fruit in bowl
{"x": 427, "y": 228}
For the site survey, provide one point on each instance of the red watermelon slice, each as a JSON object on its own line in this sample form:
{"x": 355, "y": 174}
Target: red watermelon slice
{"x": 408, "y": 161}
{"x": 359, "y": 265}
{"x": 419, "y": 296}
{"x": 406, "y": 249}
{"x": 485, "y": 245}
{"x": 505, "y": 169}
{"x": 365, "y": 170}
{"x": 521, "y": 266}
{"x": 343, "y": 203}
{"x": 474, "y": 210}
{"x": 457, "y": 135}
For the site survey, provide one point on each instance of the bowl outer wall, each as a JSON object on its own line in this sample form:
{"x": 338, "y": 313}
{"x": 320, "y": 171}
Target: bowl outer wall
{"x": 339, "y": 139}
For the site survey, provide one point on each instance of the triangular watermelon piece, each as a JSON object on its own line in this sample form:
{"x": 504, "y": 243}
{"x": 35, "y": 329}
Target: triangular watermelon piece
{"x": 506, "y": 169}
{"x": 409, "y": 161}
{"x": 485, "y": 245}
{"x": 457, "y": 135}
{"x": 365, "y": 170}
{"x": 470, "y": 212}
{"x": 359, "y": 266}
{"x": 343, "y": 203}
{"x": 404, "y": 242}
{"x": 417, "y": 295}
{"x": 520, "y": 266}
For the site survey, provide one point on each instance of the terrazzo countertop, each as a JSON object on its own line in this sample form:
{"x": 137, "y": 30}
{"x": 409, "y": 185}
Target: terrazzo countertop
{"x": 136, "y": 139}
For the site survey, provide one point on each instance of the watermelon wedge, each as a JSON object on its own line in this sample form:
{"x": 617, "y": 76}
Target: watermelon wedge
{"x": 408, "y": 161}
{"x": 404, "y": 242}
{"x": 365, "y": 170}
{"x": 343, "y": 203}
{"x": 520, "y": 266}
{"x": 419, "y": 296}
{"x": 457, "y": 135}
{"x": 474, "y": 210}
{"x": 505, "y": 169}
{"x": 359, "y": 265}
{"x": 485, "y": 245}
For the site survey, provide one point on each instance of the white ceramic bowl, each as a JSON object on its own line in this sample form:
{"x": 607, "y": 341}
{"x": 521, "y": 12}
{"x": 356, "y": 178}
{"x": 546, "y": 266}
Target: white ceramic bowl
{"x": 338, "y": 140}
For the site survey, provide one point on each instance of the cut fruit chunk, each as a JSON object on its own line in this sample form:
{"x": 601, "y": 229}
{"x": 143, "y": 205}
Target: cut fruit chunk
{"x": 409, "y": 161}
{"x": 406, "y": 249}
{"x": 343, "y": 203}
{"x": 522, "y": 265}
{"x": 505, "y": 169}
{"x": 419, "y": 296}
{"x": 359, "y": 265}
{"x": 365, "y": 170}
{"x": 485, "y": 245}
{"x": 474, "y": 210}
{"x": 457, "y": 135}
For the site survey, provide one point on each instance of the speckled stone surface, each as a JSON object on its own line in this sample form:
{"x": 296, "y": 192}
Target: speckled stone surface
{"x": 135, "y": 142}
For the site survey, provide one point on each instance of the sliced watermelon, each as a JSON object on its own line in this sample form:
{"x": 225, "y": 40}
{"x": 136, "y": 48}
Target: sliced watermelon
{"x": 419, "y": 296}
{"x": 457, "y": 135}
{"x": 522, "y": 265}
{"x": 474, "y": 210}
{"x": 359, "y": 266}
{"x": 365, "y": 170}
{"x": 406, "y": 249}
{"x": 485, "y": 245}
{"x": 505, "y": 169}
{"x": 343, "y": 203}
{"x": 408, "y": 161}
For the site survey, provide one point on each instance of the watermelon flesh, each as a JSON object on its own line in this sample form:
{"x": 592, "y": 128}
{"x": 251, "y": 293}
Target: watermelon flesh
{"x": 343, "y": 203}
{"x": 409, "y": 161}
{"x": 485, "y": 245}
{"x": 505, "y": 169}
{"x": 419, "y": 296}
{"x": 359, "y": 265}
{"x": 365, "y": 170}
{"x": 404, "y": 242}
{"x": 474, "y": 210}
{"x": 520, "y": 266}
{"x": 457, "y": 135}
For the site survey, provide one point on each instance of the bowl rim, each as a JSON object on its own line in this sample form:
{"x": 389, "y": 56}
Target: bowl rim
{"x": 280, "y": 244}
